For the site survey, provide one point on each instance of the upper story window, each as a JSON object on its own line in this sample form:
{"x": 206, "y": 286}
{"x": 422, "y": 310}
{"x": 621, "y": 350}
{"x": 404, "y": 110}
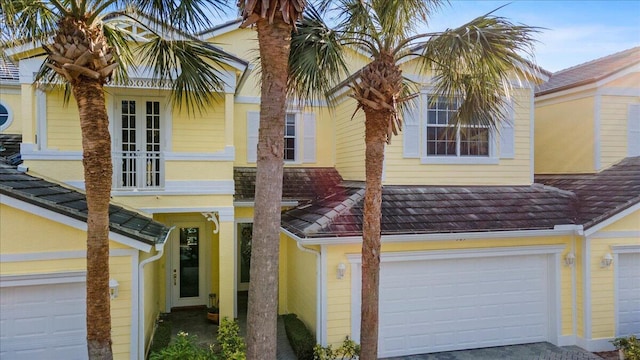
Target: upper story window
{"x": 137, "y": 156}
{"x": 290, "y": 137}
{"x": 442, "y": 139}
{"x": 299, "y": 137}
{"x": 429, "y": 135}
{"x": 6, "y": 117}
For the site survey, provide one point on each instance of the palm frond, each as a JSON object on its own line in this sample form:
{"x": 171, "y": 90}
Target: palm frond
{"x": 121, "y": 41}
{"x": 316, "y": 61}
{"x": 30, "y": 20}
{"x": 190, "y": 66}
{"x": 185, "y": 15}
{"x": 476, "y": 62}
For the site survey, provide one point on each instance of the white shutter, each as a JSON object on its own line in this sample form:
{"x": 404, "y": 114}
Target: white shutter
{"x": 507, "y": 135}
{"x": 253, "y": 125}
{"x": 411, "y": 131}
{"x": 309, "y": 137}
{"x": 633, "y": 130}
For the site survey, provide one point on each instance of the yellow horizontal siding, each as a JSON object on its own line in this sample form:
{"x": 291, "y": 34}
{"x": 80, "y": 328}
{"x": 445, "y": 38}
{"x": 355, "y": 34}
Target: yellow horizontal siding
{"x": 200, "y": 132}
{"x": 301, "y": 283}
{"x": 614, "y": 111}
{"x": 63, "y": 123}
{"x": 198, "y": 170}
{"x": 350, "y": 149}
{"x": 555, "y": 151}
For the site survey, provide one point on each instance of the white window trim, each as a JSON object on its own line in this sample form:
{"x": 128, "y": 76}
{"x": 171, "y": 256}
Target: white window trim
{"x": 9, "y": 116}
{"x": 491, "y": 159}
{"x": 165, "y": 135}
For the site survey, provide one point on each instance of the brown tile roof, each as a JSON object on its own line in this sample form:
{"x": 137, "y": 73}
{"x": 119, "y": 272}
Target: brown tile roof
{"x": 603, "y": 194}
{"x": 300, "y": 183}
{"x": 589, "y": 72}
{"x": 432, "y": 209}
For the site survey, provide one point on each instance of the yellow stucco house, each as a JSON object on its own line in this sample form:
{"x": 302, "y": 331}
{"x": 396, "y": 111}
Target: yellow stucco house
{"x": 475, "y": 253}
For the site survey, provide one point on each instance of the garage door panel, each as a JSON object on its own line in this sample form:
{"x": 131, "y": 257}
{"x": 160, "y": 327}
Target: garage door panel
{"x": 43, "y": 322}
{"x": 628, "y": 280}
{"x": 477, "y": 302}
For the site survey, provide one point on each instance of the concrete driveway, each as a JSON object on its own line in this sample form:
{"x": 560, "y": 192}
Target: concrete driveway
{"x": 535, "y": 351}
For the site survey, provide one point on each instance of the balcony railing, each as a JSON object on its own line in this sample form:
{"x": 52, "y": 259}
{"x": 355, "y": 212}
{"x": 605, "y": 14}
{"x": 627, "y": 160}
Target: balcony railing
{"x": 138, "y": 170}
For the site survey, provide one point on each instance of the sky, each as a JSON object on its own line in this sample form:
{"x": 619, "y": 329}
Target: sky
{"x": 576, "y": 31}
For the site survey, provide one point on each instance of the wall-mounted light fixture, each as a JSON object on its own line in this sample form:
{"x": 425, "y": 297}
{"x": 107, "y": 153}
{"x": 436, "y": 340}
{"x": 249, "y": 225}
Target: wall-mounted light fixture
{"x": 607, "y": 259}
{"x": 341, "y": 270}
{"x": 569, "y": 259}
{"x": 114, "y": 288}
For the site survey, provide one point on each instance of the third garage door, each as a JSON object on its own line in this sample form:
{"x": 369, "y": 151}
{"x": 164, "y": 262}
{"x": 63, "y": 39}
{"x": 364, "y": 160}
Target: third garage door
{"x": 441, "y": 305}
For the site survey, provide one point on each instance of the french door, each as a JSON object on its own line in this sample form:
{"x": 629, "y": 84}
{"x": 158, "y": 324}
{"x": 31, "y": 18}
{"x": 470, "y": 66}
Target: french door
{"x": 138, "y": 150}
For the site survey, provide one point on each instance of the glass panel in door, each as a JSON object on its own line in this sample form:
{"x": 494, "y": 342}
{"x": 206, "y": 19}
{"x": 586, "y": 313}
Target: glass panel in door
{"x": 189, "y": 262}
{"x": 245, "y": 234}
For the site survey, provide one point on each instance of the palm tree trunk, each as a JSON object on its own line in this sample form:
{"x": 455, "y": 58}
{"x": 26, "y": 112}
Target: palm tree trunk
{"x": 375, "y": 138}
{"x": 96, "y": 146}
{"x": 275, "y": 42}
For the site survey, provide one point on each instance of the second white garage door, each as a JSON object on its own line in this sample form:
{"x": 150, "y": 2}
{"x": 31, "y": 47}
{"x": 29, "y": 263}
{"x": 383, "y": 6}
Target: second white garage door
{"x": 451, "y": 304}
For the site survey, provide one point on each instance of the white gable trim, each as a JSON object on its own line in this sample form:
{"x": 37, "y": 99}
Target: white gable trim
{"x": 66, "y": 220}
{"x": 221, "y": 29}
{"x": 610, "y": 220}
{"x": 619, "y": 74}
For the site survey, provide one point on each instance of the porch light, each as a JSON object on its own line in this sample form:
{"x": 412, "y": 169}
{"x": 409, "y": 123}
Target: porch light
{"x": 607, "y": 259}
{"x": 114, "y": 287}
{"x": 569, "y": 259}
{"x": 341, "y": 270}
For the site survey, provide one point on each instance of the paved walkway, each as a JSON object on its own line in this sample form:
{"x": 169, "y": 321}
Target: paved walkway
{"x": 536, "y": 351}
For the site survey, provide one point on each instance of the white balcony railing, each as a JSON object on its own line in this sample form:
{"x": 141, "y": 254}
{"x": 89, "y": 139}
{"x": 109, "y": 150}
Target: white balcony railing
{"x": 138, "y": 170}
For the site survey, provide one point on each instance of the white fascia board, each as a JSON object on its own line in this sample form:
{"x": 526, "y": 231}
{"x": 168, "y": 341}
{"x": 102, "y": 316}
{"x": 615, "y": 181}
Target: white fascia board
{"x": 610, "y": 220}
{"x": 221, "y": 29}
{"x": 570, "y": 230}
{"x": 250, "y": 204}
{"x": 66, "y": 220}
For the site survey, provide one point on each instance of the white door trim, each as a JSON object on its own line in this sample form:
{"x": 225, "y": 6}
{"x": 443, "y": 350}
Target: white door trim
{"x": 553, "y": 252}
{"x": 617, "y": 250}
{"x": 204, "y": 266}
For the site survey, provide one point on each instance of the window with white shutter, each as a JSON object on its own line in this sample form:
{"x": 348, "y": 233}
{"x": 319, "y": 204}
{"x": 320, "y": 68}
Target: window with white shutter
{"x": 299, "y": 137}
{"x": 633, "y": 130}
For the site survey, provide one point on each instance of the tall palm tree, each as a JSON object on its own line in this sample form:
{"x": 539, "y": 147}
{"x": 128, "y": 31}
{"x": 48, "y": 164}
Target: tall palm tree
{"x": 274, "y": 20}
{"x": 86, "y": 46}
{"x": 475, "y": 62}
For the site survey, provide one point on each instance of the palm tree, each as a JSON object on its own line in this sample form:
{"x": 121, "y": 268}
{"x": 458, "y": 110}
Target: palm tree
{"x": 86, "y": 46}
{"x": 274, "y": 20}
{"x": 474, "y": 62}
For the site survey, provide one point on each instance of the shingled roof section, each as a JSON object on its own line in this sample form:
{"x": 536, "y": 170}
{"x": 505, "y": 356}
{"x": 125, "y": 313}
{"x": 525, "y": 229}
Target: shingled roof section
{"x": 298, "y": 184}
{"x": 8, "y": 71}
{"x": 589, "y": 72}
{"x": 601, "y": 195}
{"x": 10, "y": 148}
{"x": 62, "y": 200}
{"x": 433, "y": 209}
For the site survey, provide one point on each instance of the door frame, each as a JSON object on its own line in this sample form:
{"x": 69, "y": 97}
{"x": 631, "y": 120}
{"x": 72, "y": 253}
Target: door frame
{"x": 205, "y": 261}
{"x": 236, "y": 252}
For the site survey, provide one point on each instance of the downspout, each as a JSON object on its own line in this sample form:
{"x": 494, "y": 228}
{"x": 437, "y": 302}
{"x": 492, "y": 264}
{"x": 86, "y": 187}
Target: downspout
{"x": 143, "y": 263}
{"x": 319, "y": 318}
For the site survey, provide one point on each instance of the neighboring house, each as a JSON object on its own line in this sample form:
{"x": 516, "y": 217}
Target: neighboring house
{"x": 474, "y": 253}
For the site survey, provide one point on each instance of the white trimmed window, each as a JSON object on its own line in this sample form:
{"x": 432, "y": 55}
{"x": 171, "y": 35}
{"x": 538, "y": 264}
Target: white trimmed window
{"x": 6, "y": 116}
{"x": 633, "y": 130}
{"x": 299, "y": 137}
{"x": 429, "y": 134}
{"x": 137, "y": 154}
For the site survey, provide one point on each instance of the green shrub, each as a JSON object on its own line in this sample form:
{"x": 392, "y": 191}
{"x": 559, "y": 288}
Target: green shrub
{"x": 300, "y": 338}
{"x": 185, "y": 347}
{"x": 347, "y": 351}
{"x": 232, "y": 346}
{"x": 630, "y": 347}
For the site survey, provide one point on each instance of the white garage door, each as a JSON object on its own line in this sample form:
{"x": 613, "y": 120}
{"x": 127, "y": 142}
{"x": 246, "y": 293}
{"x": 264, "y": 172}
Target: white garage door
{"x": 628, "y": 294}
{"x": 441, "y": 305}
{"x": 43, "y": 322}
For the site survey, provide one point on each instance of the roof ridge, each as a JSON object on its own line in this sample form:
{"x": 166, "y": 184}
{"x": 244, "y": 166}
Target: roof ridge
{"x": 332, "y": 214}
{"x": 606, "y": 57}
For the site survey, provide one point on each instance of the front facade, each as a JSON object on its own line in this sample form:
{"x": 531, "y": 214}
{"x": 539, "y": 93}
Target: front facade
{"x": 474, "y": 253}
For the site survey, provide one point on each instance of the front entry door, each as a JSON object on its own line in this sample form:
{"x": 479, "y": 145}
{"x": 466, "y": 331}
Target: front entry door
{"x": 187, "y": 275}
{"x": 244, "y": 235}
